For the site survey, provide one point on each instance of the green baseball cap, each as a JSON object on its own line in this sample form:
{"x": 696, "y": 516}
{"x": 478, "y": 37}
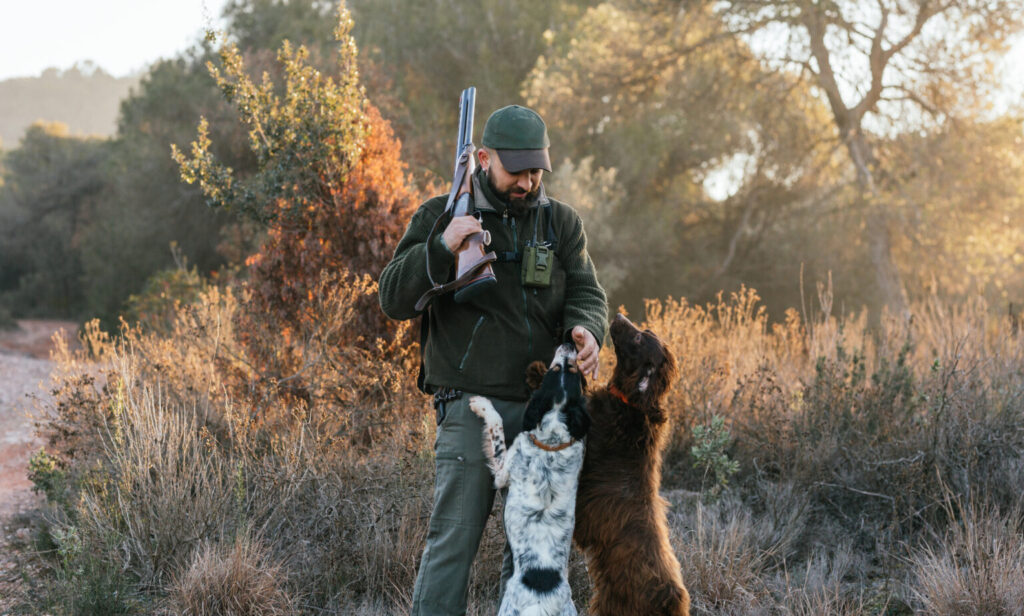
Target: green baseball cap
{"x": 520, "y": 137}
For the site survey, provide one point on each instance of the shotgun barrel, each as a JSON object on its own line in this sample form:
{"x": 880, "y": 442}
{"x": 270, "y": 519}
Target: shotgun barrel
{"x": 473, "y": 271}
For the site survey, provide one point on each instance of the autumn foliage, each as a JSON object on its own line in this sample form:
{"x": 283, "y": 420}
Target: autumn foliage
{"x": 354, "y": 227}
{"x": 330, "y": 187}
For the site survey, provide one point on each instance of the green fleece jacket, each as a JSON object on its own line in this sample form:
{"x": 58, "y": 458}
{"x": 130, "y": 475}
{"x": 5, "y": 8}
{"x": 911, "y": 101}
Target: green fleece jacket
{"x": 484, "y": 345}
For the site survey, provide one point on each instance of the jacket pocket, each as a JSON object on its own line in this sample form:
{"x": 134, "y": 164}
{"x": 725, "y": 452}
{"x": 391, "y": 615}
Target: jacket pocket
{"x": 469, "y": 346}
{"x": 547, "y": 305}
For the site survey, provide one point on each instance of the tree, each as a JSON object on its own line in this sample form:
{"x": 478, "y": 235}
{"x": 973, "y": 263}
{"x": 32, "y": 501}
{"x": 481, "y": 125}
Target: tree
{"x": 666, "y": 98}
{"x": 128, "y": 231}
{"x": 888, "y": 66}
{"x": 963, "y": 185}
{"x": 418, "y": 56}
{"x": 328, "y": 182}
{"x": 145, "y": 206}
{"x": 47, "y": 183}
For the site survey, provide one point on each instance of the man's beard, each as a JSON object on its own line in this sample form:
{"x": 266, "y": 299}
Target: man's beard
{"x": 517, "y": 206}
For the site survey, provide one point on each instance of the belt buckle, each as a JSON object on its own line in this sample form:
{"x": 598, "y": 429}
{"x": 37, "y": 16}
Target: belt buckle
{"x": 445, "y": 394}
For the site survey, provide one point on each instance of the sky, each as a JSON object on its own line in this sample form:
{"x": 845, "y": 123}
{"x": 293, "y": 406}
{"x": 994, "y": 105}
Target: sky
{"x": 120, "y": 36}
{"x": 126, "y": 36}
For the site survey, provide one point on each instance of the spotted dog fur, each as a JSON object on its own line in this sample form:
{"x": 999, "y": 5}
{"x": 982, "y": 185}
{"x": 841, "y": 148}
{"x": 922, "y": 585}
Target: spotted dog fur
{"x": 540, "y": 470}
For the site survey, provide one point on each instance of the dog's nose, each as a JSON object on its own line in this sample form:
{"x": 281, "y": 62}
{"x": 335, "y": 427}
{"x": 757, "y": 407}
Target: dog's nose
{"x": 565, "y": 355}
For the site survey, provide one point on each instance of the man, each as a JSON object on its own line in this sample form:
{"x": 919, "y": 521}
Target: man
{"x": 483, "y": 346}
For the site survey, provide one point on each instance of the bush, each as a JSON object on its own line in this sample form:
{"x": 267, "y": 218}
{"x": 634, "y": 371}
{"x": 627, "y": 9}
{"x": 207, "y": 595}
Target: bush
{"x": 236, "y": 579}
{"x": 181, "y": 442}
{"x": 330, "y": 183}
{"x": 849, "y": 447}
{"x": 157, "y": 304}
{"x": 975, "y": 568}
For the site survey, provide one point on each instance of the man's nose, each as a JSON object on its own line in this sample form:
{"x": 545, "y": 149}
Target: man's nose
{"x": 523, "y": 181}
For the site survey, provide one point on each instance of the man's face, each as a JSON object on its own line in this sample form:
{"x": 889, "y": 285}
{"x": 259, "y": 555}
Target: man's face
{"x": 519, "y": 190}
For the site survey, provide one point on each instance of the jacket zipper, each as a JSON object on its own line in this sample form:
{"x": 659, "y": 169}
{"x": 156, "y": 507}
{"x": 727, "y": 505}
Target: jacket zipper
{"x": 469, "y": 347}
{"x": 522, "y": 290}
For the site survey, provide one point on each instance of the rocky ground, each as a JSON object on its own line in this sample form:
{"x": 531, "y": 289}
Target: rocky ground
{"x": 24, "y": 378}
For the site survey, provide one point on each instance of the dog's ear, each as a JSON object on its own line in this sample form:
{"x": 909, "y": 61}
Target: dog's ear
{"x": 535, "y": 375}
{"x": 534, "y": 411}
{"x": 577, "y": 418}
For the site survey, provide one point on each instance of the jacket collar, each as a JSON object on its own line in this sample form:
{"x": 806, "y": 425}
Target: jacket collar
{"x": 485, "y": 201}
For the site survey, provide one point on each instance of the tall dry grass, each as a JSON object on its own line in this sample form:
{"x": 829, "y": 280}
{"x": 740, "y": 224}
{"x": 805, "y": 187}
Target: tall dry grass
{"x": 290, "y": 470}
{"x": 172, "y": 444}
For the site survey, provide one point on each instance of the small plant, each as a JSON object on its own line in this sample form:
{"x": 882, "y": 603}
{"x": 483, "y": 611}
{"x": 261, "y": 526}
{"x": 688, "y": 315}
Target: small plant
{"x": 709, "y": 453}
{"x": 69, "y": 545}
{"x": 236, "y": 578}
{"x": 156, "y": 306}
{"x": 47, "y": 476}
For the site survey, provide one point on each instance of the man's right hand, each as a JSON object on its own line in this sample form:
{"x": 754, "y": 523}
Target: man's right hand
{"x": 458, "y": 230}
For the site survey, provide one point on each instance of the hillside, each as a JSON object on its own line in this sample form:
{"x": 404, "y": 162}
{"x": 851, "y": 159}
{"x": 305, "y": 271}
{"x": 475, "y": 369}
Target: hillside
{"x": 84, "y": 97}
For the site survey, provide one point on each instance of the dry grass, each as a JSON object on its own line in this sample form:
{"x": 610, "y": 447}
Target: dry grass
{"x": 237, "y": 579}
{"x": 850, "y": 442}
{"x": 976, "y": 569}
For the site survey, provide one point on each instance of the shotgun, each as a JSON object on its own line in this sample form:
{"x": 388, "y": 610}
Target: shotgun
{"x": 473, "y": 272}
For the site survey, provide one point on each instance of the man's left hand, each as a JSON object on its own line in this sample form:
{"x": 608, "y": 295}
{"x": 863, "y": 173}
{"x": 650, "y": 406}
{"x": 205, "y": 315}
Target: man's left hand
{"x": 586, "y": 351}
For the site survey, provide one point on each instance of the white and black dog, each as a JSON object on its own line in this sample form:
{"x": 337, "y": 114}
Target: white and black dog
{"x": 540, "y": 469}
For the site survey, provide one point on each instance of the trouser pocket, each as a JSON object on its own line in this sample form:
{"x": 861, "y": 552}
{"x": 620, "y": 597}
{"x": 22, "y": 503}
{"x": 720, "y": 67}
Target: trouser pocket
{"x": 449, "y": 489}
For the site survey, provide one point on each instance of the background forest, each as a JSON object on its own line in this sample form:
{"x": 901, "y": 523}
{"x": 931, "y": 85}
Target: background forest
{"x": 706, "y": 147}
{"x": 241, "y": 432}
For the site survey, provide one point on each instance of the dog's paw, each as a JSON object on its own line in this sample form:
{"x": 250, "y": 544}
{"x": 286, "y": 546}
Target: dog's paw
{"x": 480, "y": 406}
{"x": 535, "y": 375}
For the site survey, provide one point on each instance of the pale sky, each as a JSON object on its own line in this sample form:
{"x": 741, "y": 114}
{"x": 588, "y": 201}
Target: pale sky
{"x": 120, "y": 36}
{"x": 126, "y": 36}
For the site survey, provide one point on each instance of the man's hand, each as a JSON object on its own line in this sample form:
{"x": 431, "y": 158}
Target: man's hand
{"x": 586, "y": 351}
{"x": 458, "y": 230}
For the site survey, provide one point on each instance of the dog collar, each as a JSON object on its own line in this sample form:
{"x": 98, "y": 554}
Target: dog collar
{"x": 615, "y": 391}
{"x": 546, "y": 447}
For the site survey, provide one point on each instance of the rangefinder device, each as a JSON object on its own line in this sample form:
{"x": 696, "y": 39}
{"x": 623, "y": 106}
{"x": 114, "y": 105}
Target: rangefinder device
{"x": 538, "y": 261}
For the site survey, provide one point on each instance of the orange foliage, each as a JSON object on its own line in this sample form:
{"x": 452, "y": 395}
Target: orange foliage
{"x": 349, "y": 227}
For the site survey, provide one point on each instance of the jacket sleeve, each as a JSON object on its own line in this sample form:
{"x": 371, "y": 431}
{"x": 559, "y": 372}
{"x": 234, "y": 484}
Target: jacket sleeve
{"x": 404, "y": 279}
{"x": 586, "y": 303}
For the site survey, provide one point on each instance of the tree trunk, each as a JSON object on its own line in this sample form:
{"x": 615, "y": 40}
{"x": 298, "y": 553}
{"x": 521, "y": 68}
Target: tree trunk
{"x": 888, "y": 280}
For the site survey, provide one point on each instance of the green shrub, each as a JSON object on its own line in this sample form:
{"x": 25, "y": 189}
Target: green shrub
{"x": 710, "y": 456}
{"x": 157, "y": 304}
{"x": 47, "y": 476}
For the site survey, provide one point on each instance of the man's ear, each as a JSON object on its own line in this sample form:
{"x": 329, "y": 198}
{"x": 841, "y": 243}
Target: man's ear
{"x": 484, "y": 157}
{"x": 535, "y": 375}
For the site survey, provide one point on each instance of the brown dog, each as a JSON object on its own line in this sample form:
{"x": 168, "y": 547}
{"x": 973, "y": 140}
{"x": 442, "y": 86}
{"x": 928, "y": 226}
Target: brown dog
{"x": 620, "y": 517}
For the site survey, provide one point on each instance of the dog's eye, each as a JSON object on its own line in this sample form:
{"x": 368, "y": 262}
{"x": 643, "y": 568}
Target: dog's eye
{"x": 639, "y": 338}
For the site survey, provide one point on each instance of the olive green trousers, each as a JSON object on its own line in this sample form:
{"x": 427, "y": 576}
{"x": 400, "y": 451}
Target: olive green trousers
{"x": 463, "y": 497}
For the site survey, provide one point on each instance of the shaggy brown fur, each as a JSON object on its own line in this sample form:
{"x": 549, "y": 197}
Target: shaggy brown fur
{"x": 621, "y": 524}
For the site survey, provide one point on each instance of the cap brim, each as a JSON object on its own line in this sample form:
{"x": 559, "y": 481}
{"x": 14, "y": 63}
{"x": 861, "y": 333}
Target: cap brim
{"x": 515, "y": 161}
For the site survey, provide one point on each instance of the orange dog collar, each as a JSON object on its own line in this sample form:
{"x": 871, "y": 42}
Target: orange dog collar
{"x": 546, "y": 447}
{"x": 615, "y": 391}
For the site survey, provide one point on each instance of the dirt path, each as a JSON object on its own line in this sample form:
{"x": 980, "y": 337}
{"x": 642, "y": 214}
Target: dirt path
{"x": 24, "y": 377}
{"x": 24, "y": 372}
